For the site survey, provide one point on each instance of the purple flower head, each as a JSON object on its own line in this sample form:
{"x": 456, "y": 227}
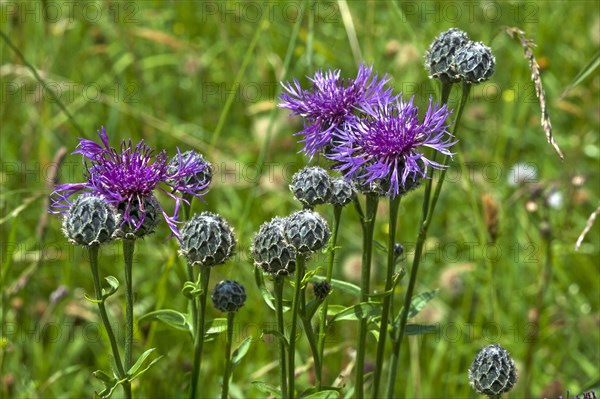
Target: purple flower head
{"x": 384, "y": 145}
{"x": 128, "y": 179}
{"x": 330, "y": 102}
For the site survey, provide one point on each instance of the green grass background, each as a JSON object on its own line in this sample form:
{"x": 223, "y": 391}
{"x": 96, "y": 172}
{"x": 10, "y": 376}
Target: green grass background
{"x": 205, "y": 75}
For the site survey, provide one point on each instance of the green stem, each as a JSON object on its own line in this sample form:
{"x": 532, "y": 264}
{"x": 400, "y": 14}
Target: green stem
{"x": 425, "y": 222}
{"x": 310, "y": 334}
{"x": 225, "y": 388}
{"x": 387, "y": 300}
{"x": 300, "y": 265}
{"x": 281, "y": 329}
{"x": 128, "y": 250}
{"x": 199, "y": 331}
{"x": 368, "y": 228}
{"x": 337, "y": 213}
{"x": 446, "y": 88}
{"x": 93, "y": 253}
{"x": 194, "y": 305}
{"x": 539, "y": 309}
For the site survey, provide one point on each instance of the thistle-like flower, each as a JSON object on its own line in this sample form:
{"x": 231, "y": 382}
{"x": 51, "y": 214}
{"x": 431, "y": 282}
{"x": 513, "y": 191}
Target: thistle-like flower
{"x": 330, "y": 102}
{"x": 493, "y": 371}
{"x": 90, "y": 221}
{"x": 382, "y": 148}
{"x": 128, "y": 178}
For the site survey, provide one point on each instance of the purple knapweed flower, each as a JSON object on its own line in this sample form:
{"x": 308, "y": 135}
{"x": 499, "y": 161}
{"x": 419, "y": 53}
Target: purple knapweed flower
{"x": 128, "y": 178}
{"x": 384, "y": 144}
{"x": 330, "y": 102}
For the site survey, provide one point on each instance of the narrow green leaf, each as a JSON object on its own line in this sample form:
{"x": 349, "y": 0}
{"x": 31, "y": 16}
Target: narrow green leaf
{"x": 334, "y": 309}
{"x": 114, "y": 286}
{"x": 584, "y": 73}
{"x": 311, "y": 308}
{"x": 139, "y": 373}
{"x": 89, "y": 298}
{"x": 240, "y": 352}
{"x": 278, "y": 335}
{"x": 375, "y": 333}
{"x": 380, "y": 246}
{"x": 341, "y": 285}
{"x": 329, "y": 394}
{"x": 140, "y": 361}
{"x": 214, "y": 327}
{"x": 109, "y": 388}
{"x": 264, "y": 292}
{"x": 358, "y": 312}
{"x": 419, "y": 301}
{"x": 267, "y": 388}
{"x": 191, "y": 290}
{"x": 307, "y": 393}
{"x": 381, "y": 295}
{"x": 102, "y": 376}
{"x": 308, "y": 276}
{"x": 170, "y": 317}
{"x": 419, "y": 329}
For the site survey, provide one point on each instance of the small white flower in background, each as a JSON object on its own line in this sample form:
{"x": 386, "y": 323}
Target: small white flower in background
{"x": 555, "y": 200}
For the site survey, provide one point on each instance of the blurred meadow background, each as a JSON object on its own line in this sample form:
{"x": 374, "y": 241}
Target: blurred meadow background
{"x": 205, "y": 75}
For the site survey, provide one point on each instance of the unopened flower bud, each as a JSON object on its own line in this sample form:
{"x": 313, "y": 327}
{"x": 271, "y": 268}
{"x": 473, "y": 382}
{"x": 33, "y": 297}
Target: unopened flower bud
{"x": 271, "y": 251}
{"x": 493, "y": 371}
{"x": 474, "y": 63}
{"x": 343, "y": 191}
{"x": 228, "y": 296}
{"x": 307, "y": 231}
{"x": 311, "y": 186}
{"x": 207, "y": 240}
{"x": 90, "y": 221}
{"x": 322, "y": 289}
{"x": 439, "y": 59}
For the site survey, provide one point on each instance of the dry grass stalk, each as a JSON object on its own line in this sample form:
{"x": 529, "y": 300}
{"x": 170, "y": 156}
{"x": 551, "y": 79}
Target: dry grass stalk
{"x": 528, "y": 46}
{"x": 588, "y": 226}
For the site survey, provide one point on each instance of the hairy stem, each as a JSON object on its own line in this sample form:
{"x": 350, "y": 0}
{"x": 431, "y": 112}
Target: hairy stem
{"x": 387, "y": 300}
{"x": 300, "y": 265}
{"x": 128, "y": 250}
{"x": 281, "y": 329}
{"x": 199, "y": 331}
{"x": 337, "y": 212}
{"x": 425, "y": 222}
{"x": 227, "y": 373}
{"x": 368, "y": 227}
{"x": 93, "y": 253}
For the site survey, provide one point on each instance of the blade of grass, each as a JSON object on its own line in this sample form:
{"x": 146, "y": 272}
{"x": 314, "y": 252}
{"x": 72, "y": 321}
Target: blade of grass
{"x": 583, "y": 74}
{"x": 263, "y": 151}
{"x": 238, "y": 78}
{"x": 42, "y": 82}
{"x": 350, "y": 30}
